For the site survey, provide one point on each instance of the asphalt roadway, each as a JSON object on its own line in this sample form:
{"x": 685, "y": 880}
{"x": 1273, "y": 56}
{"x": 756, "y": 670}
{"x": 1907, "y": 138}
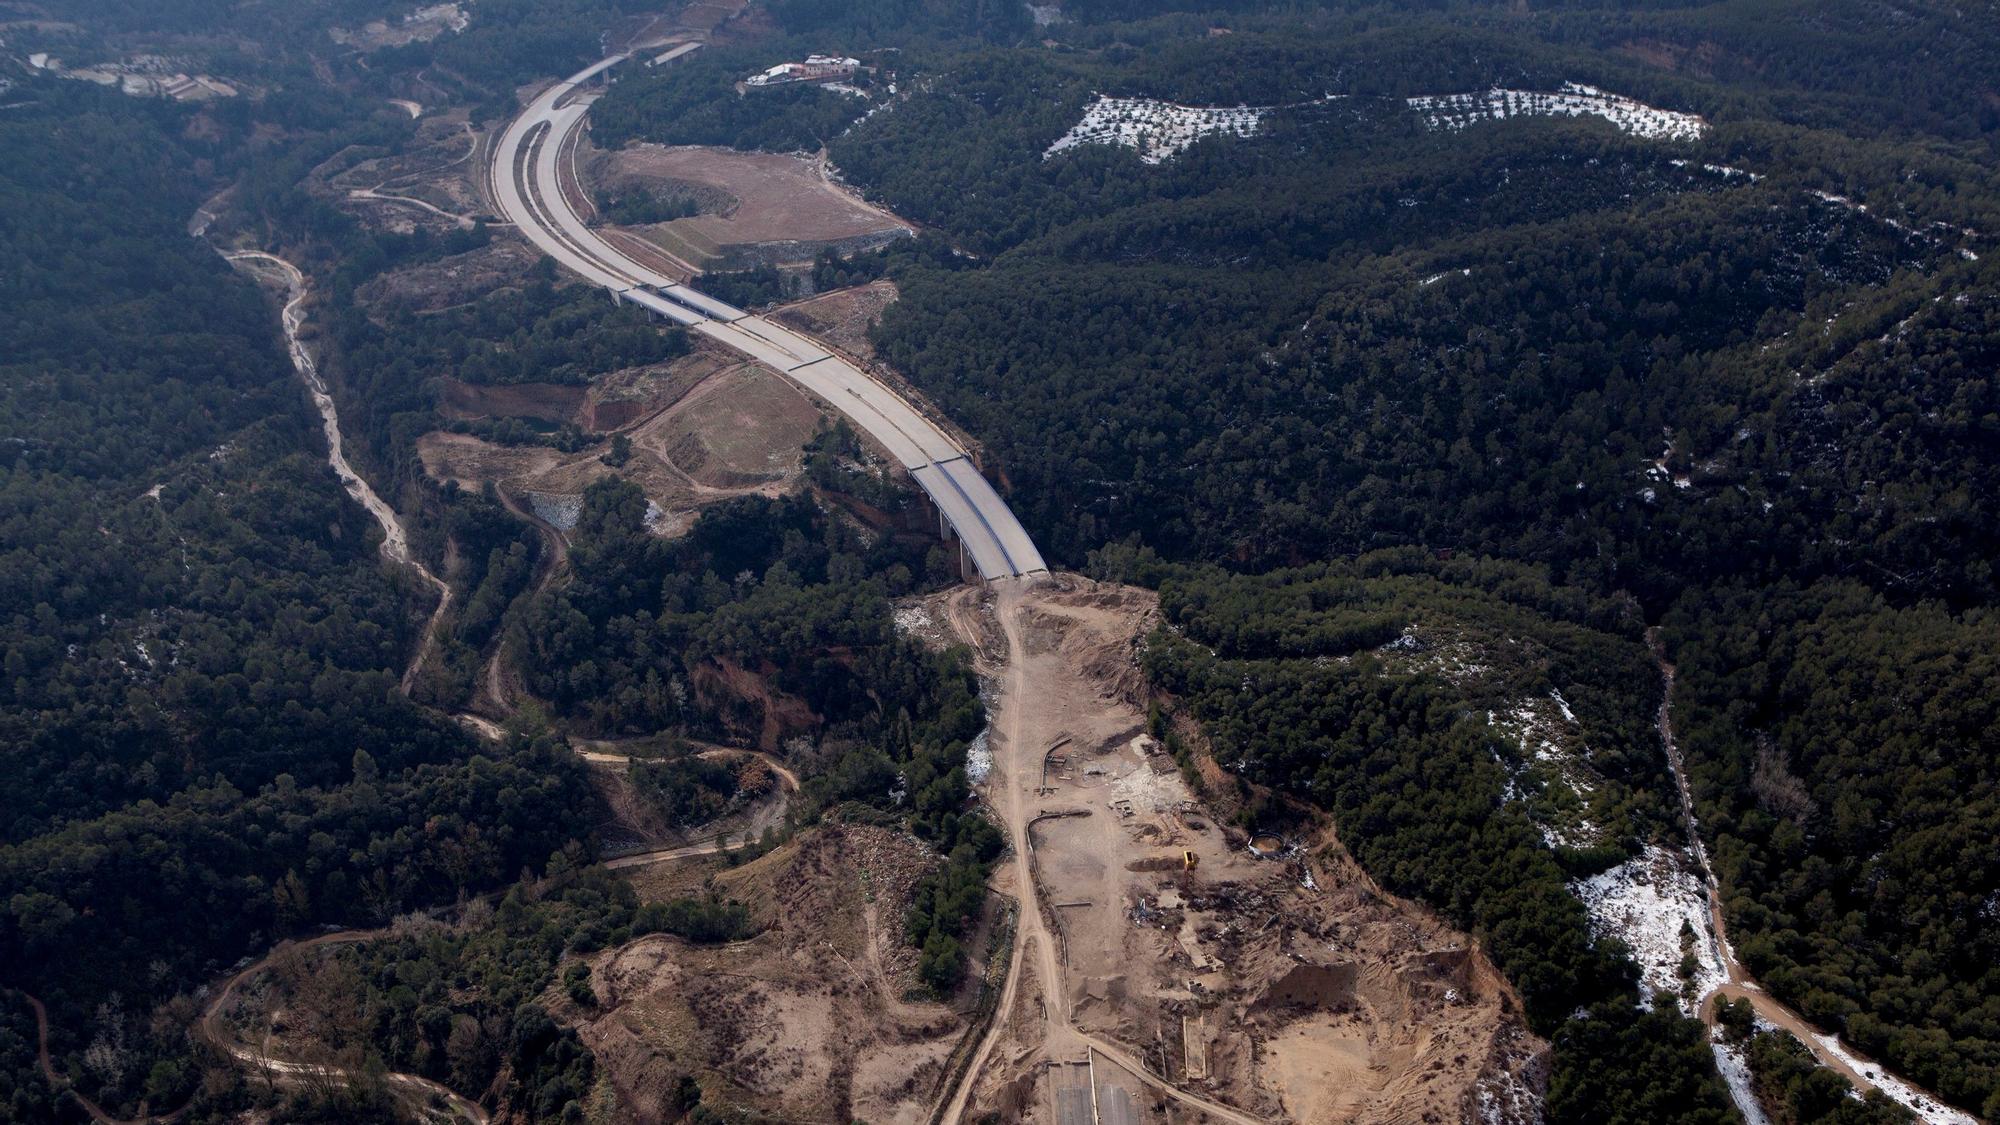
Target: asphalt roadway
{"x": 526, "y": 181}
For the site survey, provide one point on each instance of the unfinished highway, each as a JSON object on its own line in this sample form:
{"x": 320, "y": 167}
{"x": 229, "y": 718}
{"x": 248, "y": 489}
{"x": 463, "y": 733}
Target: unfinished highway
{"x": 527, "y": 187}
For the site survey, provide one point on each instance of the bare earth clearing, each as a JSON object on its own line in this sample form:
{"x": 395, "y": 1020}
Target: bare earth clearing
{"x": 805, "y": 1022}
{"x": 841, "y": 318}
{"x": 702, "y": 428}
{"x": 1243, "y": 989}
{"x": 430, "y": 186}
{"x": 775, "y": 209}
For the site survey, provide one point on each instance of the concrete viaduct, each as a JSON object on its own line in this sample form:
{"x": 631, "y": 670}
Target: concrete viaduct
{"x": 527, "y": 184}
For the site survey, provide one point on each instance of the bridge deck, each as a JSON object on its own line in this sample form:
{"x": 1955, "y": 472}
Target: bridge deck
{"x": 527, "y": 186}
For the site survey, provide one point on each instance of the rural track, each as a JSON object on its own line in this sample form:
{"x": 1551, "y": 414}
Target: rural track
{"x": 97, "y": 1112}
{"x": 1739, "y": 983}
{"x": 376, "y": 195}
{"x": 210, "y": 1030}
{"x": 604, "y": 751}
{"x": 668, "y": 855}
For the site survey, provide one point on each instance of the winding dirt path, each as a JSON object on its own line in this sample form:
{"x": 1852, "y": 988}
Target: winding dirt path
{"x": 608, "y": 752}
{"x": 376, "y": 195}
{"x": 211, "y": 1029}
{"x": 96, "y": 1112}
{"x": 1865, "y": 1073}
{"x": 494, "y": 695}
{"x": 395, "y": 540}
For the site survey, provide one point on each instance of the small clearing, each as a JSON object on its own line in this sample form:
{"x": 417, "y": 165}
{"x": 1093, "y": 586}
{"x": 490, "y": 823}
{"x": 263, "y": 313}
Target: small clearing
{"x": 432, "y": 185}
{"x": 1655, "y": 904}
{"x": 420, "y": 26}
{"x": 1452, "y": 112}
{"x": 702, "y": 429}
{"x": 457, "y": 280}
{"x": 1158, "y": 131}
{"x": 841, "y": 318}
{"x": 1555, "y": 766}
{"x": 142, "y": 76}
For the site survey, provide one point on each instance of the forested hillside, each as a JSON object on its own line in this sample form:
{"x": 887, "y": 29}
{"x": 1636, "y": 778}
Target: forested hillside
{"x": 1371, "y": 689}
{"x": 1425, "y": 430}
{"x": 1743, "y": 381}
{"x": 204, "y": 743}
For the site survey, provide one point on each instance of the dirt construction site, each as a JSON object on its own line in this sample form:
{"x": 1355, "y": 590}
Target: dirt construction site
{"x": 1161, "y": 968}
{"x": 1167, "y": 971}
{"x": 811, "y": 1020}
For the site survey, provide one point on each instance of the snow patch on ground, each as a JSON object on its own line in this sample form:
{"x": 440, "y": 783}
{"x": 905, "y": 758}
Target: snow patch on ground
{"x": 1158, "y": 131}
{"x": 1909, "y": 1097}
{"x": 1437, "y": 277}
{"x": 1556, "y": 764}
{"x": 1046, "y": 15}
{"x": 979, "y": 757}
{"x": 558, "y": 510}
{"x": 1452, "y": 112}
{"x": 1645, "y": 902}
{"x": 1448, "y": 657}
{"x": 1934, "y": 233}
{"x": 1734, "y": 1064}
{"x": 913, "y": 618}
{"x": 1501, "y": 1096}
{"x": 1723, "y": 170}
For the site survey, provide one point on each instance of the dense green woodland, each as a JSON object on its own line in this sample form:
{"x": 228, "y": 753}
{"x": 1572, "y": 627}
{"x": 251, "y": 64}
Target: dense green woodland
{"x": 203, "y": 737}
{"x": 761, "y": 585}
{"x": 1846, "y": 771}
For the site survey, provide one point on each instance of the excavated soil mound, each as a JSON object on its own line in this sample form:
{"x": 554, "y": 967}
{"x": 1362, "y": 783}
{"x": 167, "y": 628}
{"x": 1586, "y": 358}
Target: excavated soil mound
{"x": 811, "y": 1020}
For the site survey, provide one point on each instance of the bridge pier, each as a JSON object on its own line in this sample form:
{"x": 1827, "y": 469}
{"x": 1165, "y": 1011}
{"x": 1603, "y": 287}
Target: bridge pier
{"x": 968, "y": 570}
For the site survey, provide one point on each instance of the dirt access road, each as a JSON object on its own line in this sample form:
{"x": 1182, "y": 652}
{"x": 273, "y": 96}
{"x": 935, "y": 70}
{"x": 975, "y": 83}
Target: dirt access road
{"x": 95, "y": 1111}
{"x": 1024, "y": 729}
{"x": 1863, "y": 1072}
{"x": 420, "y": 1095}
